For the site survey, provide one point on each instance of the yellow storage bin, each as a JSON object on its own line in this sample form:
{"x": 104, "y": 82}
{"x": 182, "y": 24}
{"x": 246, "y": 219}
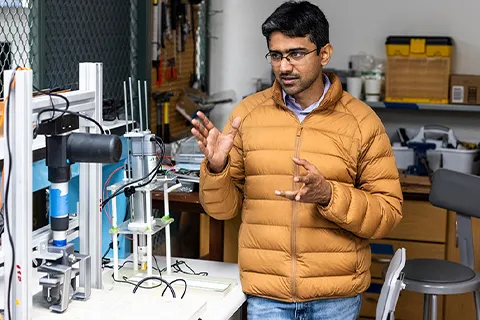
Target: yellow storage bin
{"x": 420, "y": 47}
{"x": 418, "y": 69}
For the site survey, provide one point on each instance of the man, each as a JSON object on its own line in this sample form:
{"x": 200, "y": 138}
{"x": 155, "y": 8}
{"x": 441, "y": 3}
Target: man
{"x": 311, "y": 171}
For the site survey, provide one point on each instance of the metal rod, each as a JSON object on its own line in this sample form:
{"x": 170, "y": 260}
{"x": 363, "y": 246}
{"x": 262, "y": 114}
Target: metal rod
{"x": 140, "y": 105}
{"x": 146, "y": 105}
{"x": 131, "y": 97}
{"x": 167, "y": 229}
{"x": 125, "y": 105}
{"x": 135, "y": 251}
{"x": 129, "y": 175}
{"x": 115, "y": 237}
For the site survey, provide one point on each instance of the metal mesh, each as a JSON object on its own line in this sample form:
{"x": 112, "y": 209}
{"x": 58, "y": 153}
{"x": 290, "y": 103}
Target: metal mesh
{"x": 87, "y": 31}
{"x": 54, "y": 36}
{"x": 15, "y": 22}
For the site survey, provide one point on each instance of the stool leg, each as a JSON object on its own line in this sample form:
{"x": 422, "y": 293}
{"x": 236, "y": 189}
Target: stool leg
{"x": 476, "y": 295}
{"x": 434, "y": 304}
{"x": 426, "y": 307}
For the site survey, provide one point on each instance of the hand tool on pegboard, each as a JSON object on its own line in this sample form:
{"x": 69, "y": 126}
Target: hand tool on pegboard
{"x": 172, "y": 68}
{"x": 171, "y": 72}
{"x": 193, "y": 75}
{"x": 182, "y": 31}
{"x": 157, "y": 40}
{"x": 160, "y": 98}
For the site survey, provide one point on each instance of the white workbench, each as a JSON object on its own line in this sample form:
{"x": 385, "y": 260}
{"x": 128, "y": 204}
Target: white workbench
{"x": 215, "y": 306}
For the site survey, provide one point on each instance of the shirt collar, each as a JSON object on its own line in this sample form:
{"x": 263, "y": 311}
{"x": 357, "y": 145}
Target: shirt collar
{"x": 287, "y": 98}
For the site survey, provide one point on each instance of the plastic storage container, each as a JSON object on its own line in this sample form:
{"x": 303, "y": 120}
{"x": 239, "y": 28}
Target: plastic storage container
{"x": 466, "y": 161}
{"x": 418, "y": 69}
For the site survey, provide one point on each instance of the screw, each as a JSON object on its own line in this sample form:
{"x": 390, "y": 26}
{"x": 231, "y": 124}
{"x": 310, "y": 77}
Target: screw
{"x": 72, "y": 258}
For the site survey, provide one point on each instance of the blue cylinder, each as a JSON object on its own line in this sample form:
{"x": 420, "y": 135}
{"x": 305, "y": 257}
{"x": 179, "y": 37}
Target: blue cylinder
{"x": 59, "y": 213}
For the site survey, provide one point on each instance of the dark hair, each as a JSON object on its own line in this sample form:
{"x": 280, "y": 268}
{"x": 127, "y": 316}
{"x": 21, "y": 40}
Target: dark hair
{"x": 298, "y": 19}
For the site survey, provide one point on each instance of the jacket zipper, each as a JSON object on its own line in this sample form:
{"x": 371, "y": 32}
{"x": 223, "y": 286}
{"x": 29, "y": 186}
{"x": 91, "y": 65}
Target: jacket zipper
{"x": 294, "y": 220}
{"x": 294, "y": 205}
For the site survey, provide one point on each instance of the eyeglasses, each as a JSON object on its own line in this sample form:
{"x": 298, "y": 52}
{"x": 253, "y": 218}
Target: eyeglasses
{"x": 293, "y": 57}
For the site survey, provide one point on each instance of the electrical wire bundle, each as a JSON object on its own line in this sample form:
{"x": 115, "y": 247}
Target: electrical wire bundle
{"x": 129, "y": 188}
{"x": 176, "y": 269}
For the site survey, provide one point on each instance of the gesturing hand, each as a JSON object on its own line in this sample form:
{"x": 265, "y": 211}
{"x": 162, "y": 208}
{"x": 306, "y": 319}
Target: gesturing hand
{"x": 315, "y": 188}
{"x": 214, "y": 145}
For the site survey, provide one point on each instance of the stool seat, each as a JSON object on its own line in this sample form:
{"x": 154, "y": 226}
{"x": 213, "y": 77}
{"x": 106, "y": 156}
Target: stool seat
{"x": 437, "y": 271}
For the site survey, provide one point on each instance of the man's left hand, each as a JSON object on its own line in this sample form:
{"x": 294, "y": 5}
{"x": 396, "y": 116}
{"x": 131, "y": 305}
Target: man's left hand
{"x": 315, "y": 189}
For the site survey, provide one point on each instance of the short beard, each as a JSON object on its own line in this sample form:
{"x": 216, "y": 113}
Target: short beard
{"x": 300, "y": 87}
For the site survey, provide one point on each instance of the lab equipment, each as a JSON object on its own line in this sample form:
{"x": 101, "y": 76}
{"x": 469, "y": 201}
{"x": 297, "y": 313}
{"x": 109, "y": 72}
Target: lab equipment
{"x": 19, "y": 245}
{"x": 145, "y": 176}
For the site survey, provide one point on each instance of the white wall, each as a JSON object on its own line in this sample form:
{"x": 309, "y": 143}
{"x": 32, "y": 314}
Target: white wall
{"x": 237, "y": 49}
{"x": 237, "y": 56}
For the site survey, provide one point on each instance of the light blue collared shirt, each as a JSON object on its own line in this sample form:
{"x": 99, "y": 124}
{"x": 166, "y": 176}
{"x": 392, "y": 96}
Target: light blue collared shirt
{"x": 297, "y": 109}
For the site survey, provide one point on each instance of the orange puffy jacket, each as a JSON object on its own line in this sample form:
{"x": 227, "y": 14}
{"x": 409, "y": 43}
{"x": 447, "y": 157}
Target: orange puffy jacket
{"x": 293, "y": 251}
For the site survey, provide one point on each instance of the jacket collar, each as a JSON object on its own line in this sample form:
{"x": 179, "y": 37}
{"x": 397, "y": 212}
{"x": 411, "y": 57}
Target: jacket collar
{"x": 331, "y": 97}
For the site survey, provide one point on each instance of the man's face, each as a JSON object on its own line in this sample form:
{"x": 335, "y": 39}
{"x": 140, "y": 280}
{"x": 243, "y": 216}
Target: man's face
{"x": 298, "y": 74}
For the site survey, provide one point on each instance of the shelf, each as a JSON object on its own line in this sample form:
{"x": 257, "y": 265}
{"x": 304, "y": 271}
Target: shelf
{"x": 156, "y": 185}
{"x": 424, "y": 106}
{"x": 157, "y": 225}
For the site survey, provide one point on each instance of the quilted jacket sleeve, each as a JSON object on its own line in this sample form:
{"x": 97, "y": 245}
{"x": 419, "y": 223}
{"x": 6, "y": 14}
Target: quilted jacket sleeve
{"x": 373, "y": 207}
{"x": 221, "y": 195}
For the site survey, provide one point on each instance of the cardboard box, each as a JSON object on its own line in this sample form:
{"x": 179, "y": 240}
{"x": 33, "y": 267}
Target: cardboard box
{"x": 465, "y": 89}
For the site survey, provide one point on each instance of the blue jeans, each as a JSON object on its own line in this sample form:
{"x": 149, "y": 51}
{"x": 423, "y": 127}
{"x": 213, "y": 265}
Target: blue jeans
{"x": 325, "y": 309}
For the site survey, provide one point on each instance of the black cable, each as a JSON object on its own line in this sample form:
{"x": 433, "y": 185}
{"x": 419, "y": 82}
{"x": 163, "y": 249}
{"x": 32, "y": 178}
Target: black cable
{"x": 2, "y": 226}
{"x": 162, "y": 155}
{"x": 120, "y": 267}
{"x": 156, "y": 263}
{"x": 129, "y": 261}
{"x": 125, "y": 280}
{"x": 159, "y": 166}
{"x": 105, "y": 260}
{"x": 106, "y": 252}
{"x": 51, "y": 94}
{"x": 162, "y": 151}
{"x": 177, "y": 269}
{"x": 71, "y": 112}
{"x": 176, "y": 266}
{"x": 7, "y": 190}
{"x": 202, "y": 273}
{"x": 119, "y": 191}
{"x": 176, "y": 280}
{"x": 155, "y": 278}
{"x": 161, "y": 144}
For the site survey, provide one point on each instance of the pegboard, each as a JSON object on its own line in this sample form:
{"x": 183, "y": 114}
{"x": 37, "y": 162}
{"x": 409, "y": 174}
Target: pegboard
{"x": 185, "y": 65}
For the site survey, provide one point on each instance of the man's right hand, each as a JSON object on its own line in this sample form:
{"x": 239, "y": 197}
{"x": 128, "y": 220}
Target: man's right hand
{"x": 214, "y": 145}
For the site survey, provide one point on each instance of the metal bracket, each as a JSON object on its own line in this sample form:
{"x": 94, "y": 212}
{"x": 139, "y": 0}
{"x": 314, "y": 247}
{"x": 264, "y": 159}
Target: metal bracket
{"x": 44, "y": 253}
{"x": 60, "y": 283}
{"x": 56, "y": 285}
